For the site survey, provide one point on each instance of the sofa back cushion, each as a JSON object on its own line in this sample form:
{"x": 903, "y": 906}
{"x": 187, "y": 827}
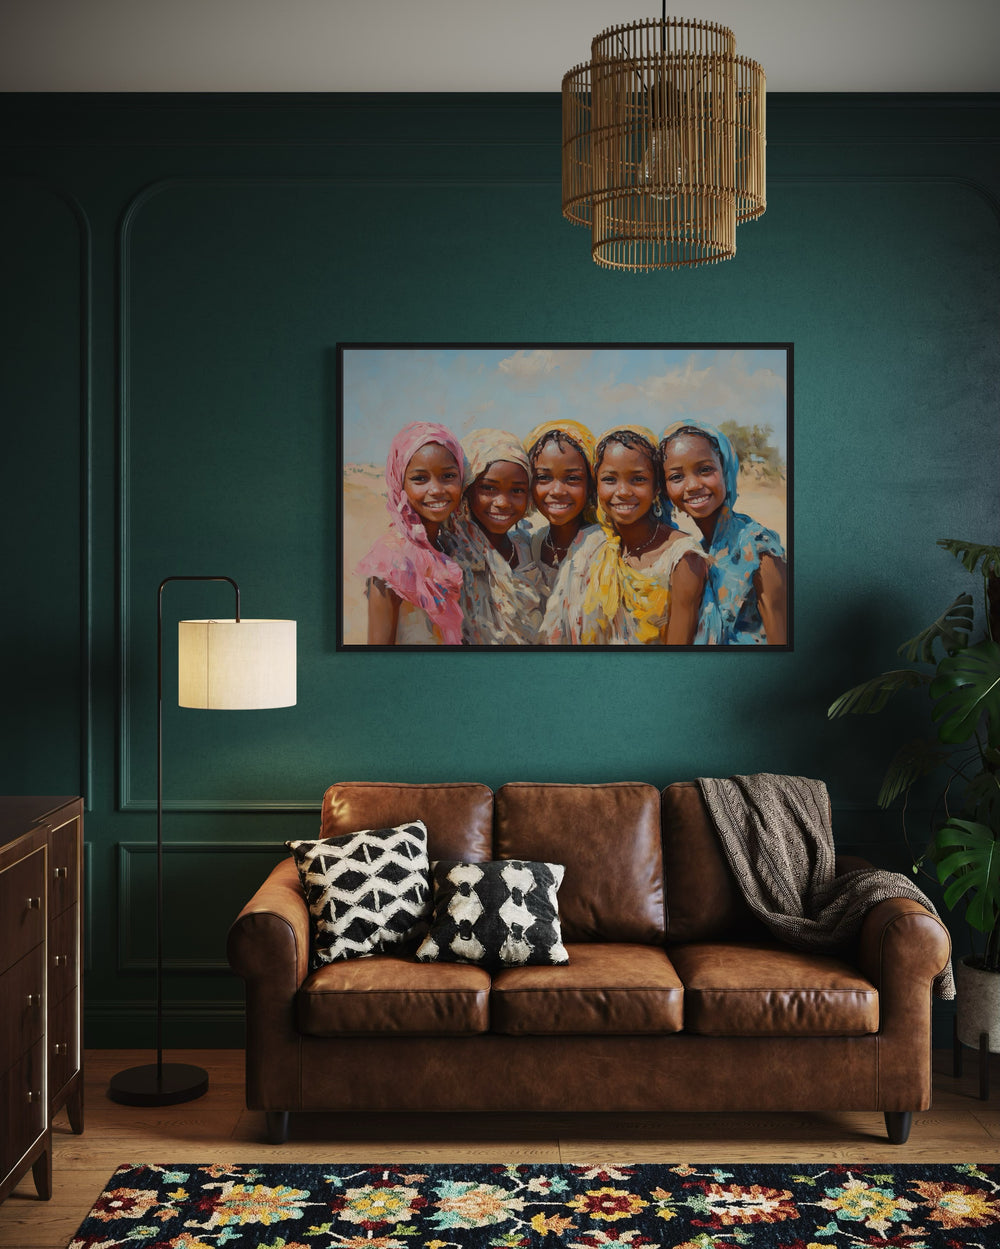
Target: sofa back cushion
{"x": 608, "y": 839}
{"x": 703, "y": 900}
{"x": 458, "y": 817}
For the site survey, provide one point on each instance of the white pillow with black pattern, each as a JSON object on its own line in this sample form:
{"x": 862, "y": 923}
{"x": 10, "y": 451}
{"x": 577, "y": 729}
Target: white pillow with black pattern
{"x": 499, "y": 914}
{"x": 367, "y": 892}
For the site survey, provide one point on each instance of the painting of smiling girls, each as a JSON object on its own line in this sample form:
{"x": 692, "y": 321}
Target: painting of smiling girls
{"x": 555, "y": 497}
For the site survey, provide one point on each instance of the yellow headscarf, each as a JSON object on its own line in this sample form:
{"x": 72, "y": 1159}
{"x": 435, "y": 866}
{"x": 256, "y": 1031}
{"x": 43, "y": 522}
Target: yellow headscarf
{"x": 573, "y": 430}
{"x": 581, "y": 437}
{"x": 613, "y": 584}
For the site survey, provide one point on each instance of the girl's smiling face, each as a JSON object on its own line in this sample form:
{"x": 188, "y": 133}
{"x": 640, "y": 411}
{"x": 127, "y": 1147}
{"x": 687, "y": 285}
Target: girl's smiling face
{"x": 626, "y": 484}
{"x": 695, "y": 483}
{"x": 433, "y": 482}
{"x": 560, "y": 482}
{"x": 498, "y": 498}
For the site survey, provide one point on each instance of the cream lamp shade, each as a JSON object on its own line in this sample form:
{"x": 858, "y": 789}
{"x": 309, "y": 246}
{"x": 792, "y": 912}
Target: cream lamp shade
{"x": 236, "y": 665}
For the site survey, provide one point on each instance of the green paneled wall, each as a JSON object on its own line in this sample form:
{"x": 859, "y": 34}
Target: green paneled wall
{"x": 176, "y": 275}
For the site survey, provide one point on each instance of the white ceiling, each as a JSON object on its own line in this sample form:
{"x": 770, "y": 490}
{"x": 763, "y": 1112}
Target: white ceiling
{"x": 472, "y": 45}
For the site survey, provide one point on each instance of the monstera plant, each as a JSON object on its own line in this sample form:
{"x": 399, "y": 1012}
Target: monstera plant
{"x": 961, "y": 674}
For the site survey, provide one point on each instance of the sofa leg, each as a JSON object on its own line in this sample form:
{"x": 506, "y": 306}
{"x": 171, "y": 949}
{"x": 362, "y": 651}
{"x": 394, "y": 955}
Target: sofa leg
{"x": 277, "y": 1126}
{"x": 897, "y": 1124}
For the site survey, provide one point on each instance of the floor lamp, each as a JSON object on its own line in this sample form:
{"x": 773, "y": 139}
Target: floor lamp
{"x": 231, "y": 665}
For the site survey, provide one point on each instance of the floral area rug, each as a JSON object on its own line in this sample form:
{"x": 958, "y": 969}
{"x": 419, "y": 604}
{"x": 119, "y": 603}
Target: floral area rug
{"x": 344, "y": 1206}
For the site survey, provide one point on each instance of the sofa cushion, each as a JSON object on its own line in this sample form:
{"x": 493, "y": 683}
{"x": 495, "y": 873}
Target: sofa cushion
{"x": 607, "y": 988}
{"x": 459, "y": 817}
{"x": 366, "y": 891}
{"x": 498, "y": 914}
{"x": 388, "y": 995}
{"x": 703, "y": 900}
{"x": 608, "y": 838}
{"x": 764, "y": 989}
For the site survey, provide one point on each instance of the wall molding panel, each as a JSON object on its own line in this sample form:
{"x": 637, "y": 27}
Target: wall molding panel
{"x": 80, "y": 274}
{"x": 135, "y": 793}
{"x": 226, "y": 890}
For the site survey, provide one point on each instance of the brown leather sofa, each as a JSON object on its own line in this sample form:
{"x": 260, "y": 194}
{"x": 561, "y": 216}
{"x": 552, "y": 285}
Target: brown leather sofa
{"x": 674, "y": 998}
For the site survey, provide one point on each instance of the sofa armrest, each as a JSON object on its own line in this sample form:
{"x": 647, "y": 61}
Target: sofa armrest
{"x": 902, "y": 947}
{"x": 269, "y": 947}
{"x": 269, "y": 939}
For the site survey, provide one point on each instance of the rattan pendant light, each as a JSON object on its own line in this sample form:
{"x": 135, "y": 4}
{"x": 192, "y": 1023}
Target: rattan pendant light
{"x": 663, "y": 144}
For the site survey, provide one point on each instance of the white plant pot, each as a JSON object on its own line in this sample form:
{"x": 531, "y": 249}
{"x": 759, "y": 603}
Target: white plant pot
{"x": 977, "y": 998}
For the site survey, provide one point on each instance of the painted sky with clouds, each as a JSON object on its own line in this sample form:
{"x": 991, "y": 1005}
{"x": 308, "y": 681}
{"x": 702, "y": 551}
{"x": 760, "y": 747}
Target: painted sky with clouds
{"x": 516, "y": 389}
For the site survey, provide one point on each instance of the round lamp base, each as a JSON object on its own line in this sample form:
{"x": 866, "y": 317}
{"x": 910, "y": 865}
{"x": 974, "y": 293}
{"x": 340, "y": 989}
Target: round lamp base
{"x": 165, "y": 1084}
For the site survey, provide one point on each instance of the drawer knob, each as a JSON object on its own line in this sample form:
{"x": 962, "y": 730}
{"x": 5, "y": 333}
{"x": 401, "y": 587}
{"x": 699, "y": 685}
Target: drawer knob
{"x": 33, "y": 904}
{"x": 60, "y": 960}
{"x": 61, "y": 873}
{"x": 61, "y": 1047}
{"x": 34, "y": 999}
{"x": 34, "y": 1096}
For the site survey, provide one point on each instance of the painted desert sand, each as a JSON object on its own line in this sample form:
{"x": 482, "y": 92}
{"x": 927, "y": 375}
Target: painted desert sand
{"x": 365, "y": 518}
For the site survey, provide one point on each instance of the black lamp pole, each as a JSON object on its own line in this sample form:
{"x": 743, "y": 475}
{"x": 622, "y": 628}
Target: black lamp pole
{"x": 160, "y": 1083}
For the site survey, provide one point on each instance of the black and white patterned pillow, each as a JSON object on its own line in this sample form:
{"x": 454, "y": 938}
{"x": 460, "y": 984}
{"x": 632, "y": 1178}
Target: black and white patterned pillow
{"x": 500, "y": 914}
{"x": 367, "y": 892}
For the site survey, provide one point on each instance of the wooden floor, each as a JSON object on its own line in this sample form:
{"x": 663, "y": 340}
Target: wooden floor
{"x": 217, "y": 1128}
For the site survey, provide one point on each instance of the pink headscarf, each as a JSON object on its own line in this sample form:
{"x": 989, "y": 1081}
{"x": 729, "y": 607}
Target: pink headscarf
{"x": 404, "y": 558}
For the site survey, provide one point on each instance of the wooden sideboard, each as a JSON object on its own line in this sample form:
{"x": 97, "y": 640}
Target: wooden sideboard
{"x": 41, "y": 978}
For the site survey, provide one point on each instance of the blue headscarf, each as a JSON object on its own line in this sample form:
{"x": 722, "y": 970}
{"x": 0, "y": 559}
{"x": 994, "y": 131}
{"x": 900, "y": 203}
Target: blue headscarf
{"x": 730, "y": 614}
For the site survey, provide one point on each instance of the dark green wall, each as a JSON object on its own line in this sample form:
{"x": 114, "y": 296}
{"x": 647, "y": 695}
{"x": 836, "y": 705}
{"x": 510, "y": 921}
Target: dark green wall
{"x": 177, "y": 272}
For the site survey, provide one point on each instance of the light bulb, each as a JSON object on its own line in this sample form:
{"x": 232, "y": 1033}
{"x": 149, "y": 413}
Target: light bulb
{"x": 665, "y": 165}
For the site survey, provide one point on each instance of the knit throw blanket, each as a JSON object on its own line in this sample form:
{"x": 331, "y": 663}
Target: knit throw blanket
{"x": 776, "y": 834}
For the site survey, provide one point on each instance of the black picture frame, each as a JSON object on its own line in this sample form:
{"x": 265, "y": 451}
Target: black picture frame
{"x": 745, "y": 389}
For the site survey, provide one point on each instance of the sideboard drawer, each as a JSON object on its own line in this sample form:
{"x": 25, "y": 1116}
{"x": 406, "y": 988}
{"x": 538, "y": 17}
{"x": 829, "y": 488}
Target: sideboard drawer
{"x": 63, "y": 866}
{"x": 64, "y": 1041}
{"x": 64, "y": 953}
{"x": 22, "y": 1004}
{"x": 23, "y": 1105}
{"x": 22, "y": 916}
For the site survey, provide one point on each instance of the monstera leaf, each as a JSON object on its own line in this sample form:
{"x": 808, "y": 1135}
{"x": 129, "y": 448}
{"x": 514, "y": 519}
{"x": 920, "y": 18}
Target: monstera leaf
{"x": 971, "y": 553}
{"x": 912, "y": 761}
{"x": 982, "y": 794}
{"x": 967, "y": 688}
{"x": 970, "y": 854}
{"x": 873, "y": 695}
{"x": 951, "y": 629}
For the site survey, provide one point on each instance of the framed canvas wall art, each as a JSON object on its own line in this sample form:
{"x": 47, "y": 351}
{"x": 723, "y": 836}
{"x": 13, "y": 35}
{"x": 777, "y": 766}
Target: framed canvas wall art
{"x": 560, "y": 496}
